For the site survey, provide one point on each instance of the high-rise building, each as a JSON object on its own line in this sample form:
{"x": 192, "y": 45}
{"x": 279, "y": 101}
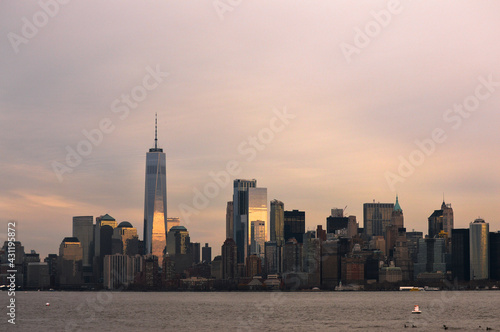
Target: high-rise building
{"x": 195, "y": 251}
{"x": 294, "y": 225}
{"x": 83, "y": 230}
{"x": 229, "y": 260}
{"x": 494, "y": 255}
{"x": 249, "y": 204}
{"x": 229, "y": 220}
{"x": 397, "y": 218}
{"x": 292, "y": 256}
{"x": 179, "y": 248}
{"x": 105, "y": 220}
{"x": 460, "y": 254}
{"x": 70, "y": 263}
{"x": 441, "y": 220}
{"x": 178, "y": 241}
{"x": 431, "y": 256}
{"x": 258, "y": 238}
{"x": 311, "y": 258}
{"x": 277, "y": 222}
{"x": 125, "y": 239}
{"x": 272, "y": 261}
{"x": 206, "y": 253}
{"x": 412, "y": 242}
{"x": 479, "y": 250}
{"x": 155, "y": 202}
{"x": 376, "y": 217}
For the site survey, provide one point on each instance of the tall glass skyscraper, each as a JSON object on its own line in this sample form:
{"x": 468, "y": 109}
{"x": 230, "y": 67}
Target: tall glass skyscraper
{"x": 155, "y": 202}
{"x": 249, "y": 204}
{"x": 479, "y": 250}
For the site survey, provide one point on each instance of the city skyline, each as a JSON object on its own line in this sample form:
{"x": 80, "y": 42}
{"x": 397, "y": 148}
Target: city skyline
{"x": 216, "y": 87}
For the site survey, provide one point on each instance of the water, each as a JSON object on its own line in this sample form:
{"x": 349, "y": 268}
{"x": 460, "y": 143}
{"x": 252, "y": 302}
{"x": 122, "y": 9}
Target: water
{"x": 276, "y": 311}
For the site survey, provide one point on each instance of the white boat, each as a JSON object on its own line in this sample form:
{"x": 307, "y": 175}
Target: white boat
{"x": 416, "y": 310}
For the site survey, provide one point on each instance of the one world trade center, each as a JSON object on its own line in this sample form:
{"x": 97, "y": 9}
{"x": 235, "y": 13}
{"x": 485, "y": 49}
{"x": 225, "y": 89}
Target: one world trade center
{"x": 155, "y": 202}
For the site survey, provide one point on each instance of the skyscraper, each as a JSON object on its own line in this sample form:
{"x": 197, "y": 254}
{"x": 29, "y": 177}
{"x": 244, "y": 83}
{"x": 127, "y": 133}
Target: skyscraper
{"x": 376, "y": 217}
{"x": 294, "y": 225}
{"x": 249, "y": 204}
{"x": 460, "y": 254}
{"x": 277, "y": 222}
{"x": 155, "y": 202}
{"x": 397, "y": 218}
{"x": 479, "y": 249}
{"x": 83, "y": 230}
{"x": 229, "y": 220}
{"x": 206, "y": 253}
{"x": 441, "y": 220}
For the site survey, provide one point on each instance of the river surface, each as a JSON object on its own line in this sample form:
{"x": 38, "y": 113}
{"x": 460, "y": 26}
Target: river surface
{"x": 266, "y": 311}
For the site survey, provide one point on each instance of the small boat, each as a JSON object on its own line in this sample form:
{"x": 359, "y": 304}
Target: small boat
{"x": 416, "y": 310}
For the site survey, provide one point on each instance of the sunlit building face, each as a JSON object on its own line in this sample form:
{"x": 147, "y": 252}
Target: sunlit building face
{"x": 249, "y": 204}
{"x": 479, "y": 255}
{"x": 155, "y": 204}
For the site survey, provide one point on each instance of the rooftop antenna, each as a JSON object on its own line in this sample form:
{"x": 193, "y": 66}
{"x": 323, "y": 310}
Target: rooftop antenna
{"x": 156, "y": 131}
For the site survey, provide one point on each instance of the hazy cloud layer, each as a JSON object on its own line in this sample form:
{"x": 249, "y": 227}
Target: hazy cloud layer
{"x": 354, "y": 119}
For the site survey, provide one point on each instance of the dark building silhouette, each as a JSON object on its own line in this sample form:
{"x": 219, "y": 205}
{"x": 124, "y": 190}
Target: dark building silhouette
{"x": 195, "y": 251}
{"x": 70, "y": 264}
{"x": 435, "y": 223}
{"x": 335, "y": 224}
{"x": 229, "y": 260}
{"x": 294, "y": 225}
{"x": 494, "y": 255}
{"x": 441, "y": 220}
{"x": 206, "y": 253}
{"x": 51, "y": 261}
{"x": 292, "y": 255}
{"x": 460, "y": 253}
{"x": 320, "y": 233}
{"x": 412, "y": 242}
{"x": 330, "y": 264}
{"x": 253, "y": 266}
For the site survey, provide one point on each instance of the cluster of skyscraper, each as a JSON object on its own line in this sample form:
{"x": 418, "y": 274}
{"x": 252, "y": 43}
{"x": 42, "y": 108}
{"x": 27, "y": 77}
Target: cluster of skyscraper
{"x": 259, "y": 252}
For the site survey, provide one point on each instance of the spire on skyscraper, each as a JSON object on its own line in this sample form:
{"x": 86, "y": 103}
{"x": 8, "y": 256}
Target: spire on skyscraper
{"x": 156, "y": 131}
{"x": 397, "y": 207}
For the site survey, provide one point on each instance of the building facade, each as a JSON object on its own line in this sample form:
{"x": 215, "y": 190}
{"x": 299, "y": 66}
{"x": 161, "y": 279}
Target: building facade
{"x": 155, "y": 202}
{"x": 479, "y": 249}
{"x": 277, "y": 222}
